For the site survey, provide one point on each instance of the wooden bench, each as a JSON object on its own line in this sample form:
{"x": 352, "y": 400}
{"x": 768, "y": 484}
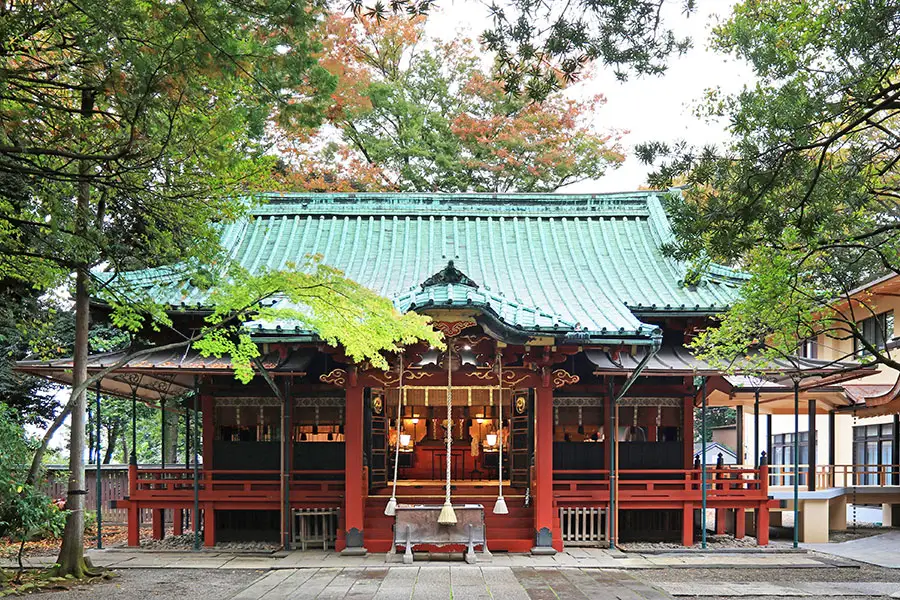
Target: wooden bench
{"x": 417, "y": 525}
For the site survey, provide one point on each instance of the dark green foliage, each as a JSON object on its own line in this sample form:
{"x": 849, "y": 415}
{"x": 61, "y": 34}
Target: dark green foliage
{"x": 807, "y": 195}
{"x": 542, "y": 45}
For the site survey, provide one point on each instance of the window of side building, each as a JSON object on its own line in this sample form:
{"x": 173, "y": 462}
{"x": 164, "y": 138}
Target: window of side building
{"x": 783, "y": 456}
{"x": 872, "y": 449}
{"x": 877, "y": 330}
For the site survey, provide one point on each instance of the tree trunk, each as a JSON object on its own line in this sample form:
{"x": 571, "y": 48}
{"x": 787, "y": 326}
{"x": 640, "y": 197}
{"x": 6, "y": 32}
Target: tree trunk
{"x": 171, "y": 449}
{"x": 112, "y": 437}
{"x": 71, "y": 554}
{"x": 125, "y": 455}
{"x": 71, "y": 560}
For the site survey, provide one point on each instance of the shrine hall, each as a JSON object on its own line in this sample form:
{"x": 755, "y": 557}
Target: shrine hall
{"x": 566, "y": 387}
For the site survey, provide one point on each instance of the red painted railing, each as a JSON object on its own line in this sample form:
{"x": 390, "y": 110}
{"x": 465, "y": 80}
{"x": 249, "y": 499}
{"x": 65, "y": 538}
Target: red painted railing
{"x": 669, "y": 485}
{"x": 173, "y": 484}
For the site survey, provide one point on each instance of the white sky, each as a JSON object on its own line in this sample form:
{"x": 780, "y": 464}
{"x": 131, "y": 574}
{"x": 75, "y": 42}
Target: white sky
{"x": 650, "y": 108}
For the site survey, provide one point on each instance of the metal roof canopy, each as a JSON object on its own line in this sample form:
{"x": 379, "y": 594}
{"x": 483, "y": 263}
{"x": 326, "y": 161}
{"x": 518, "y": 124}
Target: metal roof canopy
{"x": 774, "y": 382}
{"x": 159, "y": 375}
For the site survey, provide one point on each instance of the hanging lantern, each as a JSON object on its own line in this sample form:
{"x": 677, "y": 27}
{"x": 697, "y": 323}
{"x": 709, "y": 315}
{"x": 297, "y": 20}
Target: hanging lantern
{"x": 315, "y": 428}
{"x": 341, "y": 420}
{"x": 580, "y": 422}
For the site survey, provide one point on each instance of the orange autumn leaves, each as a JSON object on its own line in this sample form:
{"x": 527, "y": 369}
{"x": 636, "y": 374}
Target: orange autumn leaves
{"x": 415, "y": 114}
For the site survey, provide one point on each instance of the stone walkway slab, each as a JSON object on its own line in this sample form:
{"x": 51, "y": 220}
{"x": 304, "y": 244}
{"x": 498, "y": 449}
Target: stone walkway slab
{"x": 874, "y": 551}
{"x": 881, "y": 550}
{"x": 432, "y": 582}
{"x": 730, "y": 589}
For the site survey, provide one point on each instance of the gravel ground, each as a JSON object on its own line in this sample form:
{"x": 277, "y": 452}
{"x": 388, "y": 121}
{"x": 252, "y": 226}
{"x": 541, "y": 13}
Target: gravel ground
{"x": 140, "y": 584}
{"x": 186, "y": 542}
{"x": 830, "y": 573}
{"x": 712, "y": 541}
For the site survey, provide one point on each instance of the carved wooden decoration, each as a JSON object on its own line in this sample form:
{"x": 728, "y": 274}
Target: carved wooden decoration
{"x": 453, "y": 328}
{"x": 561, "y": 377}
{"x": 336, "y": 377}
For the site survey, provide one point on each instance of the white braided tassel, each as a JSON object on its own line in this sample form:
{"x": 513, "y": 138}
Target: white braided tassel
{"x": 448, "y": 515}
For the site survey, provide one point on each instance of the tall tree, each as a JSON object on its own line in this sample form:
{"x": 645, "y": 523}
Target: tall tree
{"x": 542, "y": 45}
{"x": 416, "y": 114}
{"x": 136, "y": 127}
{"x": 807, "y": 195}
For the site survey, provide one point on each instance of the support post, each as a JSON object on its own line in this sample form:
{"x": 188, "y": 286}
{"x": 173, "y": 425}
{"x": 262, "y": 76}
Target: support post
{"x": 209, "y": 525}
{"x": 740, "y": 524}
{"x": 133, "y": 458}
{"x": 134, "y": 511}
{"x": 195, "y": 514}
{"x": 756, "y": 429}
{"x": 99, "y": 481}
{"x": 687, "y": 430}
{"x": 762, "y": 513}
{"x": 177, "y": 521}
{"x": 543, "y": 470}
{"x": 796, "y": 462}
{"x": 187, "y": 438}
{"x": 739, "y": 434}
{"x": 162, "y": 424}
{"x": 209, "y": 512}
{"x": 159, "y": 523}
{"x": 895, "y": 450}
{"x": 811, "y": 426}
{"x": 287, "y": 446}
{"x": 687, "y": 525}
{"x": 353, "y": 483}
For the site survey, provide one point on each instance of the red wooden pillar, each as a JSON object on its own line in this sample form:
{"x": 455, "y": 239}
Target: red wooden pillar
{"x": 720, "y": 520}
{"x": 134, "y": 510}
{"x": 762, "y": 513}
{"x": 159, "y": 523}
{"x": 209, "y": 525}
{"x": 687, "y": 526}
{"x": 353, "y": 467}
{"x": 177, "y": 521}
{"x": 543, "y": 470}
{"x": 762, "y": 525}
{"x": 740, "y": 524}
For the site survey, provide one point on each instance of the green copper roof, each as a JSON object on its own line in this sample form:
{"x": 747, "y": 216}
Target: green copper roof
{"x": 539, "y": 261}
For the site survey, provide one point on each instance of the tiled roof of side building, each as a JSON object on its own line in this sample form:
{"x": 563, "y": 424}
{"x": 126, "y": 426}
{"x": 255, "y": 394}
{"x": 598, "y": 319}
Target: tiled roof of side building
{"x": 586, "y": 262}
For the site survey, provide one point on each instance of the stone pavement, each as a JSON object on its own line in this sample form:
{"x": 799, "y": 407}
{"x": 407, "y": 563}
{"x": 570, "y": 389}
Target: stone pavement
{"x": 882, "y": 550}
{"x": 433, "y": 581}
{"x": 723, "y": 589}
{"x": 584, "y": 558}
